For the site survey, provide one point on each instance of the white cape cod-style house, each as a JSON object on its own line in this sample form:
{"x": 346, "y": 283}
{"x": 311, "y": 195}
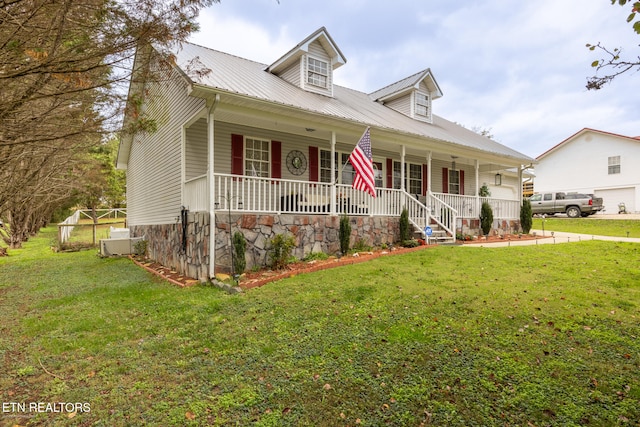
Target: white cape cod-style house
{"x": 595, "y": 162}
{"x": 263, "y": 149}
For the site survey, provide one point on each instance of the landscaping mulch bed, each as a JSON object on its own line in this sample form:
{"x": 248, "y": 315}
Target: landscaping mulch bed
{"x": 259, "y": 278}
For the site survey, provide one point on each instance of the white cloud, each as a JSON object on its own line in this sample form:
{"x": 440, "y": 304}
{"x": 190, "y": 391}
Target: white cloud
{"x": 519, "y": 69}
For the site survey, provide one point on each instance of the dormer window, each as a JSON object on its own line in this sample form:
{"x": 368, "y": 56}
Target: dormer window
{"x": 317, "y": 72}
{"x": 423, "y": 106}
{"x": 310, "y": 65}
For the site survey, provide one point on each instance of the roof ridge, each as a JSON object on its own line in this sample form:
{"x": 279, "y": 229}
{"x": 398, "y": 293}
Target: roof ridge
{"x": 398, "y": 81}
{"x": 225, "y": 53}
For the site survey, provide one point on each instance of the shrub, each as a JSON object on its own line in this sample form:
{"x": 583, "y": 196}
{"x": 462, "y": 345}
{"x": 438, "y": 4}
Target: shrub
{"x": 345, "y": 234}
{"x": 362, "y": 246}
{"x": 239, "y": 247}
{"x": 486, "y": 218}
{"x": 280, "y": 249}
{"x": 410, "y": 243}
{"x": 316, "y": 256}
{"x": 404, "y": 225}
{"x": 526, "y": 216}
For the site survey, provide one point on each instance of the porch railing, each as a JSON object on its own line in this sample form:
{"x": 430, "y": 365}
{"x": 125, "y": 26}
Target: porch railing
{"x": 268, "y": 195}
{"x": 469, "y": 206}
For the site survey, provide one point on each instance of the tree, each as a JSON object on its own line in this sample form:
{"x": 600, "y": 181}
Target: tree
{"x": 64, "y": 70}
{"x": 613, "y": 63}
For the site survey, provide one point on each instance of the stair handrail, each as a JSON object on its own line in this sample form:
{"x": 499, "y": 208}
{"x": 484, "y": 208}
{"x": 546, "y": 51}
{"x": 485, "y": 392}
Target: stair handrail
{"x": 421, "y": 214}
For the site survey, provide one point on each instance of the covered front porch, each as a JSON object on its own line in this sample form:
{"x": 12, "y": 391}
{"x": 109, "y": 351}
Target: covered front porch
{"x": 451, "y": 213}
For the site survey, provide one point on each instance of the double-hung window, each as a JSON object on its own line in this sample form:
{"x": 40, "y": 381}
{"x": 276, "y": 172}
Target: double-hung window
{"x": 256, "y": 159}
{"x": 317, "y": 72}
{"x": 454, "y": 181}
{"x": 325, "y": 166}
{"x": 423, "y": 106}
{"x": 413, "y": 173}
{"x": 614, "y": 165}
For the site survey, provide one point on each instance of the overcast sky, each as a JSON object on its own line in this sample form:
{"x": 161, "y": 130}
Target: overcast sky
{"x": 518, "y": 69}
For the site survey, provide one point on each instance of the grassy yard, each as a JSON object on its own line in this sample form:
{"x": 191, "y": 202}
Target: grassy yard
{"x": 600, "y": 227}
{"x": 520, "y": 336}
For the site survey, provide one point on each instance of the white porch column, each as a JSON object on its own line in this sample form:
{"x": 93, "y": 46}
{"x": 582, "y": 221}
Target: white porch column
{"x": 520, "y": 170}
{"x": 211, "y": 188}
{"x": 334, "y": 196}
{"x": 429, "y": 173}
{"x": 403, "y": 153}
{"x": 477, "y": 166}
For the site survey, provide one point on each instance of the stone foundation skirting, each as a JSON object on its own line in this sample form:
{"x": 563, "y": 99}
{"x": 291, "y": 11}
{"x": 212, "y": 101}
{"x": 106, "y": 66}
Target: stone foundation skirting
{"x": 471, "y": 227}
{"x": 165, "y": 245}
{"x": 313, "y": 233}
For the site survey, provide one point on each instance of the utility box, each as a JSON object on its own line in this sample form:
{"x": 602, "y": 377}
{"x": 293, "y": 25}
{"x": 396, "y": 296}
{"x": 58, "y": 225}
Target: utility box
{"x": 119, "y": 233}
{"x": 110, "y": 247}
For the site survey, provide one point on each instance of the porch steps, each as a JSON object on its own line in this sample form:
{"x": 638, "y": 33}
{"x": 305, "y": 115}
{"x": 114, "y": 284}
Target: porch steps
{"x": 438, "y": 236}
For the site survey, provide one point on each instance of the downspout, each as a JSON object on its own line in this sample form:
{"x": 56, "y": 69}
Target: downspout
{"x": 210, "y": 181}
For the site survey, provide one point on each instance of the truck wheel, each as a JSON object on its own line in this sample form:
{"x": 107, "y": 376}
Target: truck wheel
{"x": 573, "y": 212}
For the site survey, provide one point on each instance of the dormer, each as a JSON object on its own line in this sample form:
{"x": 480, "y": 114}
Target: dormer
{"x": 311, "y": 63}
{"x": 411, "y": 96}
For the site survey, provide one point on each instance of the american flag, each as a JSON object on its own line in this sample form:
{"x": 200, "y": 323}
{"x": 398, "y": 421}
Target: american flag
{"x": 362, "y": 161}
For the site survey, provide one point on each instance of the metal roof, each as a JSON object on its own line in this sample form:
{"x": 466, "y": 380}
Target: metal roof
{"x": 404, "y": 84}
{"x": 232, "y": 74}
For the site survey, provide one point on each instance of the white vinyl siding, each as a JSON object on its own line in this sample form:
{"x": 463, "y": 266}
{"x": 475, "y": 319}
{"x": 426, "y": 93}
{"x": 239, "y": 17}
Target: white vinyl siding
{"x": 196, "y": 149}
{"x": 154, "y": 169}
{"x": 292, "y": 74}
{"x": 401, "y": 105}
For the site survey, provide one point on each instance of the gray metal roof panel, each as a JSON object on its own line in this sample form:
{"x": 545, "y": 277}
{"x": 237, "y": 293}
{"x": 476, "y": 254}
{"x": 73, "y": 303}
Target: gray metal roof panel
{"x": 242, "y": 76}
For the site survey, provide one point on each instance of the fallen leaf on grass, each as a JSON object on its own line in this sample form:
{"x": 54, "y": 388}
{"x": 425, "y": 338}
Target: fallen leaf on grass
{"x": 190, "y": 415}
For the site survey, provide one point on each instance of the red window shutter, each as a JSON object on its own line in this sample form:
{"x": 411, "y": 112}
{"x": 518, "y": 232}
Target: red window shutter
{"x": 389, "y": 173}
{"x": 425, "y": 180}
{"x": 461, "y": 182}
{"x": 313, "y": 164}
{"x": 445, "y": 180}
{"x": 237, "y": 154}
{"x": 276, "y": 159}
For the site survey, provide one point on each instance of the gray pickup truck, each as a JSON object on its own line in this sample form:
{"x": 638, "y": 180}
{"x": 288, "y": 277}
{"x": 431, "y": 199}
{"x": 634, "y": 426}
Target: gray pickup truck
{"x": 573, "y": 204}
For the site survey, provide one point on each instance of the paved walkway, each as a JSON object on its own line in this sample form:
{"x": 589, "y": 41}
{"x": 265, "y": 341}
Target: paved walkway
{"x": 556, "y": 237}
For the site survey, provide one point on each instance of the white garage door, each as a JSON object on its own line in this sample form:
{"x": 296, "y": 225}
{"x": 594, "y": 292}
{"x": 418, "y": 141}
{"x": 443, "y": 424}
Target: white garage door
{"x": 612, "y": 197}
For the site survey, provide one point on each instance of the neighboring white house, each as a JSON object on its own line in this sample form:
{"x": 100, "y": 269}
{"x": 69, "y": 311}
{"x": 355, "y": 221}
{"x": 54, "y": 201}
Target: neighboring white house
{"x": 595, "y": 162}
{"x": 263, "y": 150}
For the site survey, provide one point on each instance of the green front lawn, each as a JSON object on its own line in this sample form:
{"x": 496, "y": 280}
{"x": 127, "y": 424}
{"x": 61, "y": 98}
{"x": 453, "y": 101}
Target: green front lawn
{"x": 519, "y": 336}
{"x": 599, "y": 227}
